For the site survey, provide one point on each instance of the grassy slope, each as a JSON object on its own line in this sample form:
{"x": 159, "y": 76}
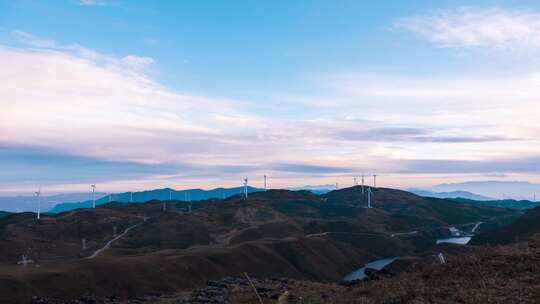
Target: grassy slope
{"x": 477, "y": 275}
{"x": 519, "y": 230}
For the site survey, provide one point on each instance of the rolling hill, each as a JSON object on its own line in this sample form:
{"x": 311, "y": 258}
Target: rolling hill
{"x": 283, "y": 233}
{"x": 508, "y": 203}
{"x": 521, "y": 230}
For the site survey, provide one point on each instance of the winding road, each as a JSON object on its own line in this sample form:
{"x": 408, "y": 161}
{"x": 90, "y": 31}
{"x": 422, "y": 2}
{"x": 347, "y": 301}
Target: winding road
{"x": 397, "y": 234}
{"x": 97, "y": 252}
{"x": 476, "y": 226}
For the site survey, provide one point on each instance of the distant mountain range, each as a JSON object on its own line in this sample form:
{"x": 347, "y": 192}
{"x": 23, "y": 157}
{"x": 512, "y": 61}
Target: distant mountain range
{"x": 487, "y": 191}
{"x": 452, "y": 194}
{"x": 317, "y": 189}
{"x": 157, "y": 194}
{"x": 29, "y": 203}
{"x": 514, "y": 202}
{"x": 517, "y": 190}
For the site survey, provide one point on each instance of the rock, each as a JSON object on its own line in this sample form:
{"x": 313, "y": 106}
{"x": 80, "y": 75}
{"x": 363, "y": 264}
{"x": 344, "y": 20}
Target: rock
{"x": 372, "y": 274}
{"x": 88, "y": 300}
{"x": 263, "y": 289}
{"x": 217, "y": 284}
{"x": 284, "y": 298}
{"x": 39, "y": 300}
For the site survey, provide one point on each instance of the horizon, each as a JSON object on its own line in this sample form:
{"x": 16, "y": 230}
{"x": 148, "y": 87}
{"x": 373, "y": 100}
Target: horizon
{"x": 133, "y": 96}
{"x": 489, "y": 193}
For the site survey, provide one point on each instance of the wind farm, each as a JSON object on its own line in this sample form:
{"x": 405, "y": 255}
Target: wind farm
{"x": 269, "y": 152}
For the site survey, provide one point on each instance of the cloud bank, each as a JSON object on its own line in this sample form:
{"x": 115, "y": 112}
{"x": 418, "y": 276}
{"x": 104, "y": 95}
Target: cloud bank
{"x": 477, "y": 27}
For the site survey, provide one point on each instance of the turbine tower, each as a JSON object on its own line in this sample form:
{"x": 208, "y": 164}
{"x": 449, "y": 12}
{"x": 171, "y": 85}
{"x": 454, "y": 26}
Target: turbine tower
{"x": 374, "y": 180}
{"x": 131, "y": 197}
{"x": 245, "y": 187}
{"x": 264, "y": 182}
{"x": 93, "y": 195}
{"x": 189, "y": 202}
{"x": 369, "y": 198}
{"x": 38, "y": 194}
{"x": 355, "y": 182}
{"x": 363, "y": 183}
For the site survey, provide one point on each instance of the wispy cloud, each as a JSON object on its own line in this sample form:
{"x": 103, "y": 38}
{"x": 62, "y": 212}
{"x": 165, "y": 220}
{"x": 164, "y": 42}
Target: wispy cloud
{"x": 396, "y": 134}
{"x": 24, "y": 163}
{"x": 32, "y": 40}
{"x": 477, "y": 27}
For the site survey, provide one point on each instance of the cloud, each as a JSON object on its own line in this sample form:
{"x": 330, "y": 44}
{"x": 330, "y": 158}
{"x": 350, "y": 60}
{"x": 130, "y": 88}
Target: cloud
{"x": 397, "y": 134}
{"x": 499, "y": 105}
{"x": 304, "y": 168}
{"x": 32, "y": 40}
{"x": 138, "y": 62}
{"x": 477, "y": 27}
{"x": 60, "y": 96}
{"x": 23, "y": 163}
{"x": 107, "y": 117}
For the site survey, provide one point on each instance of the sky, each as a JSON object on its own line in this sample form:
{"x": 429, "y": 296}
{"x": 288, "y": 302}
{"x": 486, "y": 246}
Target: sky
{"x": 133, "y": 95}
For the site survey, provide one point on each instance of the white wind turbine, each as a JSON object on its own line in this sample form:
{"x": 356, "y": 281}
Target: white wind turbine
{"x": 38, "y": 194}
{"x": 369, "y": 198}
{"x": 245, "y": 187}
{"x": 93, "y": 195}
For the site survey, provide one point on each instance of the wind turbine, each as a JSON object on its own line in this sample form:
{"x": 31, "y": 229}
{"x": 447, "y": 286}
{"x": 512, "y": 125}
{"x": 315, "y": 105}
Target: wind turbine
{"x": 131, "y": 197}
{"x": 93, "y": 195}
{"x": 265, "y": 183}
{"x": 245, "y": 187}
{"x": 189, "y": 202}
{"x": 362, "y": 183}
{"x": 374, "y": 180}
{"x": 165, "y": 203}
{"x": 355, "y": 182}
{"x": 38, "y": 194}
{"x": 369, "y": 198}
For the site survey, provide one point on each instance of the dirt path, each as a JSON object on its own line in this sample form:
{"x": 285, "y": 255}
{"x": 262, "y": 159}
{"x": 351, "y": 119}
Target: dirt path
{"x": 97, "y": 252}
{"x": 476, "y": 226}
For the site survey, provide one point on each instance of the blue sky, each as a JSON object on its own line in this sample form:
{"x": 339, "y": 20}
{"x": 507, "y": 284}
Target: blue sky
{"x": 142, "y": 94}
